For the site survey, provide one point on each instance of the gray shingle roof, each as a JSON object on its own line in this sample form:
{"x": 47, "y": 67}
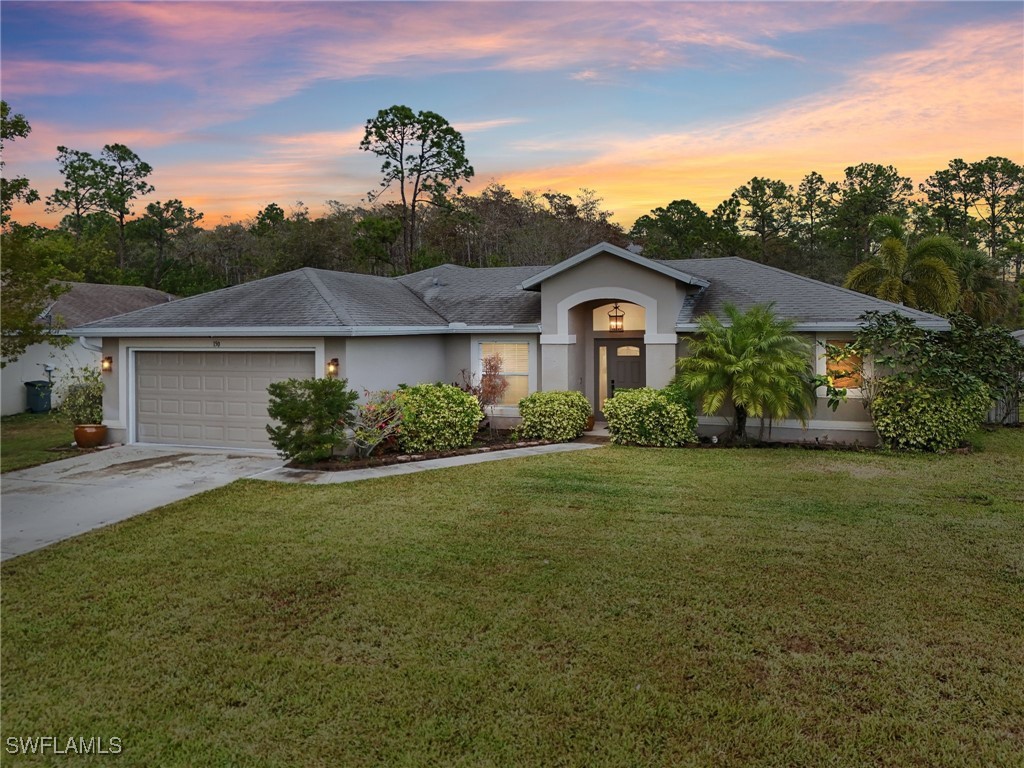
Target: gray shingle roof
{"x": 745, "y": 283}
{"x": 306, "y": 298}
{"x": 317, "y": 300}
{"x": 490, "y": 296}
{"x": 86, "y": 302}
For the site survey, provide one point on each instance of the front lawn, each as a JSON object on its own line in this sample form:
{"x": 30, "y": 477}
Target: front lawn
{"x": 26, "y": 440}
{"x": 617, "y": 607}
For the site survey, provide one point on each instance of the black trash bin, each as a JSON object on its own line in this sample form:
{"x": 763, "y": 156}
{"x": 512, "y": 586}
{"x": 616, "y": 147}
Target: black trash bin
{"x": 38, "y": 396}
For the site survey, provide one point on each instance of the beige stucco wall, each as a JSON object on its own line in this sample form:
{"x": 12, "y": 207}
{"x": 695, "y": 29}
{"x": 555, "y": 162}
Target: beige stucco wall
{"x": 620, "y": 278}
{"x": 31, "y": 367}
{"x": 384, "y": 362}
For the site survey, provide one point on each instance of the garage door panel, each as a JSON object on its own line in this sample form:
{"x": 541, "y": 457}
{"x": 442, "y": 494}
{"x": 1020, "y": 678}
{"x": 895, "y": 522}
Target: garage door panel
{"x": 210, "y": 398}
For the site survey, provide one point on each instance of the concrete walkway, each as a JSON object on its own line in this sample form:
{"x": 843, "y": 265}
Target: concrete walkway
{"x": 315, "y": 477}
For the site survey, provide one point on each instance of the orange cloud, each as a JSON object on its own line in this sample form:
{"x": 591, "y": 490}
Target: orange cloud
{"x": 916, "y": 110}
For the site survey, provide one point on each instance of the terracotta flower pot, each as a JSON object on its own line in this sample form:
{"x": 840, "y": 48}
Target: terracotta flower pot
{"x": 590, "y": 423}
{"x": 90, "y": 435}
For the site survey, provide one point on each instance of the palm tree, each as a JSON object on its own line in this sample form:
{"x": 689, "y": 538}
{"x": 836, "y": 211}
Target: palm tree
{"x": 921, "y": 277}
{"x": 755, "y": 362}
{"x": 983, "y": 295}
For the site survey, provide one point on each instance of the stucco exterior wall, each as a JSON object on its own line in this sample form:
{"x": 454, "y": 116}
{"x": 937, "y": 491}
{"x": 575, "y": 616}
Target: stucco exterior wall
{"x": 620, "y": 278}
{"x": 384, "y": 362}
{"x": 31, "y": 367}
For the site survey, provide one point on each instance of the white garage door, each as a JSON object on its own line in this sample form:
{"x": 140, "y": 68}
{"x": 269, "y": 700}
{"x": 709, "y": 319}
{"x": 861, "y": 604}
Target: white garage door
{"x": 214, "y": 399}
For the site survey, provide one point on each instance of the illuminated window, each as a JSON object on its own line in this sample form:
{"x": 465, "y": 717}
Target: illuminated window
{"x": 515, "y": 368}
{"x": 845, "y": 373}
{"x": 628, "y": 352}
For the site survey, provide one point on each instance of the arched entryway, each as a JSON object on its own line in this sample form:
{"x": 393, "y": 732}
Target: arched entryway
{"x": 619, "y": 351}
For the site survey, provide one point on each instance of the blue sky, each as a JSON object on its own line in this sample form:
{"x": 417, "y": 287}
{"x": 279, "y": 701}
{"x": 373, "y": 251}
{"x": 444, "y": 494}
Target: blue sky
{"x": 237, "y": 105}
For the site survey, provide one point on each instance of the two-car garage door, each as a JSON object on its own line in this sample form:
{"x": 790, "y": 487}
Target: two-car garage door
{"x": 216, "y": 399}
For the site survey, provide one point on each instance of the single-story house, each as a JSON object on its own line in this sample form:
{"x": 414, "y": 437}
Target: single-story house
{"x": 195, "y": 371}
{"x": 82, "y": 303}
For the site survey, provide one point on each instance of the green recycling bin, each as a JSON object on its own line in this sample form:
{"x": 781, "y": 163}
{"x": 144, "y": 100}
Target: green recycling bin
{"x": 38, "y": 396}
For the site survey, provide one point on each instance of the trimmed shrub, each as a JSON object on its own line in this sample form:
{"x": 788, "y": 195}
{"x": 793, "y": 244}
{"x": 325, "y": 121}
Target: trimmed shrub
{"x": 313, "y": 413}
{"x": 677, "y": 393}
{"x": 648, "y": 417}
{"x": 558, "y": 416}
{"x": 437, "y": 417}
{"x": 925, "y": 418}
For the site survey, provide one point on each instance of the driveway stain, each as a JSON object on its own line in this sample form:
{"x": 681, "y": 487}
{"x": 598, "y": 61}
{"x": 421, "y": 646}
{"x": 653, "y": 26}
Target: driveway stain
{"x": 157, "y": 462}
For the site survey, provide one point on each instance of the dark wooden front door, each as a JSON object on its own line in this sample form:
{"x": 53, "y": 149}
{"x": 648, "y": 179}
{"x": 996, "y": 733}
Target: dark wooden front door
{"x": 620, "y": 364}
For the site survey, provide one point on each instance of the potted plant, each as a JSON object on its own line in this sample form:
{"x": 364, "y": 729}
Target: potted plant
{"x": 81, "y": 392}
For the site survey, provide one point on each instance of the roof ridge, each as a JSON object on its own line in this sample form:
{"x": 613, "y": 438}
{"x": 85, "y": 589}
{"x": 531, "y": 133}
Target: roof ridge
{"x": 329, "y": 298}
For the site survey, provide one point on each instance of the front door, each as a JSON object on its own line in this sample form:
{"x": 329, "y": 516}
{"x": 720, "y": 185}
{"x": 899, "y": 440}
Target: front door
{"x": 621, "y": 364}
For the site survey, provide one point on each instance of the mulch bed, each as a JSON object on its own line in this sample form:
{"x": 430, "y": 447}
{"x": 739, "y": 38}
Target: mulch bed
{"x": 484, "y": 443}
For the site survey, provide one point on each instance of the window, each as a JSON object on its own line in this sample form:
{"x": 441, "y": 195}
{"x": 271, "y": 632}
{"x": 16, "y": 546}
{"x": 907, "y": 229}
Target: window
{"x": 845, "y": 373}
{"x": 515, "y": 368}
{"x": 628, "y": 352}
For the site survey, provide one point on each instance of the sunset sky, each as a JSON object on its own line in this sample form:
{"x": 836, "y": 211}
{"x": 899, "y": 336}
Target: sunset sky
{"x": 237, "y": 105}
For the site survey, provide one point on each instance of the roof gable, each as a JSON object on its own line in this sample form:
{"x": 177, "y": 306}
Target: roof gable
{"x": 662, "y": 267}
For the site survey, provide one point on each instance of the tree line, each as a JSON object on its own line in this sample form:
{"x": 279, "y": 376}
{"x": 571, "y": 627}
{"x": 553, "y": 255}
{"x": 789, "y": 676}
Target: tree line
{"x": 420, "y": 217}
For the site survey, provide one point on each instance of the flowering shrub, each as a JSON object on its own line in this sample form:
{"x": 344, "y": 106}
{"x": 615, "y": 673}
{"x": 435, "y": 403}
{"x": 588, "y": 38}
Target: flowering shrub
{"x": 559, "y": 416}
{"x": 923, "y": 418}
{"x": 437, "y": 417}
{"x": 312, "y": 413}
{"x": 648, "y": 417}
{"x": 377, "y": 422}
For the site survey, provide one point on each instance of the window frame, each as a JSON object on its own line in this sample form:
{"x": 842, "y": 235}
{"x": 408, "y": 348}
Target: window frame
{"x": 821, "y": 362}
{"x": 531, "y": 367}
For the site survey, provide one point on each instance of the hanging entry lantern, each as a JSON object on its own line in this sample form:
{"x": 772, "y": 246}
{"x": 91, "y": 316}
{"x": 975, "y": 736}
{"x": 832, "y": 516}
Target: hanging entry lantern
{"x": 615, "y": 319}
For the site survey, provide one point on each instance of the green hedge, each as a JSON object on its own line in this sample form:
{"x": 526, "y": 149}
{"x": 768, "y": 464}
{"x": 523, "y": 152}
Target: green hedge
{"x": 558, "y": 416}
{"x": 918, "y": 417}
{"x": 648, "y": 417}
{"x": 437, "y": 417}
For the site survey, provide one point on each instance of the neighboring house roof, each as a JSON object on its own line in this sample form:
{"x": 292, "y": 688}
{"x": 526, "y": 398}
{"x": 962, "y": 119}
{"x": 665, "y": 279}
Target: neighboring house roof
{"x": 450, "y": 298}
{"x": 87, "y": 302}
{"x": 810, "y": 303}
{"x": 1019, "y": 336}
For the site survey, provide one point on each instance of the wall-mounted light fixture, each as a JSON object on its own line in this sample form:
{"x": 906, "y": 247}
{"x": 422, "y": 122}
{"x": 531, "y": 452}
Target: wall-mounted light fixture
{"x": 107, "y": 364}
{"x": 332, "y": 368}
{"x": 615, "y": 319}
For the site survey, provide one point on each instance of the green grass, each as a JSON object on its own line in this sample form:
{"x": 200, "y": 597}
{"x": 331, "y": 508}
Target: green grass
{"x": 616, "y": 607}
{"x": 26, "y": 437}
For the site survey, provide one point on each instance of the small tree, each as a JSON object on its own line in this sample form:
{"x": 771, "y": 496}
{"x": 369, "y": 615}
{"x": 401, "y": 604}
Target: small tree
{"x": 928, "y": 390}
{"x": 755, "y": 363}
{"x": 491, "y": 388}
{"x": 312, "y": 415}
{"x": 378, "y": 420}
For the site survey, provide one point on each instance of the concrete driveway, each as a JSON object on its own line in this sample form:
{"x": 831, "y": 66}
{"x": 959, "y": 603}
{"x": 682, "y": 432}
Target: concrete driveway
{"x": 56, "y": 501}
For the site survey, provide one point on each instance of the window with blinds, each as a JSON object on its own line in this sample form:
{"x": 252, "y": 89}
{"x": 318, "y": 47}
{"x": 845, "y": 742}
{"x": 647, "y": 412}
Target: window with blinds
{"x": 515, "y": 368}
